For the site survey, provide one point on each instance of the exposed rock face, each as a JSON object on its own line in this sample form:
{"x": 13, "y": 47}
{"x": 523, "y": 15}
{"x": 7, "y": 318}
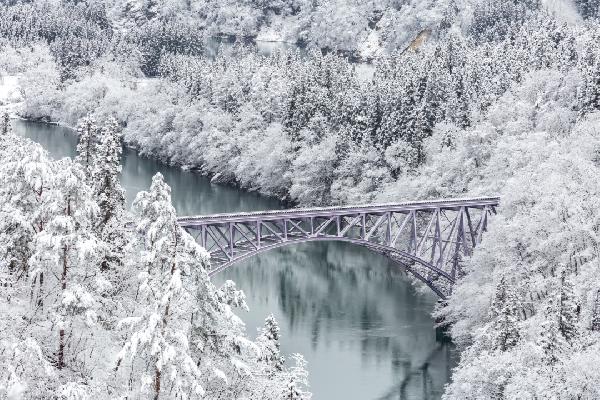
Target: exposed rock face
{"x": 420, "y": 39}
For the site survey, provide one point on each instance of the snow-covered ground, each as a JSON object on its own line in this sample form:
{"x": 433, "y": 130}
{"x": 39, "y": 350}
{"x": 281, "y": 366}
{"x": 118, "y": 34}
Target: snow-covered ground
{"x": 10, "y": 94}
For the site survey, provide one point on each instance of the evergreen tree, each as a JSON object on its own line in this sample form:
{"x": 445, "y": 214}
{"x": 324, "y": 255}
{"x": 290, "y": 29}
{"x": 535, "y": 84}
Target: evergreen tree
{"x": 185, "y": 332}
{"x": 596, "y": 313}
{"x": 588, "y": 8}
{"x": 505, "y": 316}
{"x": 559, "y": 328}
{"x": 297, "y": 381}
{"x": 589, "y": 95}
{"x": 86, "y": 146}
{"x": 5, "y": 125}
{"x": 160, "y": 341}
{"x": 268, "y": 342}
{"x": 65, "y": 253}
{"x": 551, "y": 340}
{"x": 25, "y": 180}
{"x": 107, "y": 167}
{"x": 567, "y": 309}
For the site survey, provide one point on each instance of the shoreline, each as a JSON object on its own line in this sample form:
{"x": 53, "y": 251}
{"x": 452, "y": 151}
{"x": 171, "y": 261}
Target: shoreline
{"x": 140, "y": 153}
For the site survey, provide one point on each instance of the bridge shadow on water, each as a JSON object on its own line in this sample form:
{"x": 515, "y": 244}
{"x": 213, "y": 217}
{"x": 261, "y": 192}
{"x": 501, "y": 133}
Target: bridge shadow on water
{"x": 364, "y": 329}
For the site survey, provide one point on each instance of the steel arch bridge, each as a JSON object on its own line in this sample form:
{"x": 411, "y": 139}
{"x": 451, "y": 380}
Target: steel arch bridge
{"x": 428, "y": 238}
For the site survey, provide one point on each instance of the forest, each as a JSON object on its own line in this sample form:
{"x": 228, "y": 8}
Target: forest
{"x": 502, "y": 98}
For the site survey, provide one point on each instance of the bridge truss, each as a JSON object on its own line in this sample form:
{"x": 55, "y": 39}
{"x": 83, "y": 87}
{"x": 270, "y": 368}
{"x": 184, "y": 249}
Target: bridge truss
{"x": 429, "y": 239}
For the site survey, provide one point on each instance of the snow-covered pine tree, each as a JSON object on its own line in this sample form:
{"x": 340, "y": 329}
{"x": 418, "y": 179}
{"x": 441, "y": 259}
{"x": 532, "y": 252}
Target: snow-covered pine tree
{"x": 589, "y": 64}
{"x": 596, "y": 313}
{"x": 66, "y": 257}
{"x": 505, "y": 316}
{"x": 160, "y": 340}
{"x": 5, "y": 125}
{"x": 567, "y": 309}
{"x": 550, "y": 340}
{"x": 25, "y": 179}
{"x": 298, "y": 381}
{"x": 86, "y": 147}
{"x": 559, "y": 329}
{"x": 186, "y": 335}
{"x": 110, "y": 194}
{"x": 588, "y": 8}
{"x": 268, "y": 343}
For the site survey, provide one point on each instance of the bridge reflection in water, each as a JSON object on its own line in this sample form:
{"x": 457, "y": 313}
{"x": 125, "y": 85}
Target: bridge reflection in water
{"x": 429, "y": 238}
{"x": 365, "y": 332}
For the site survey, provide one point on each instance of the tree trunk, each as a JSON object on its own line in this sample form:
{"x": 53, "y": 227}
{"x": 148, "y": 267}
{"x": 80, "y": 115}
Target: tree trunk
{"x": 156, "y": 384}
{"x": 61, "y": 333}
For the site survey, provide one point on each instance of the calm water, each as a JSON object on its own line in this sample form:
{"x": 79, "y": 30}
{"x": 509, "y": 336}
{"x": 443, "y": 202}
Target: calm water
{"x": 364, "y": 331}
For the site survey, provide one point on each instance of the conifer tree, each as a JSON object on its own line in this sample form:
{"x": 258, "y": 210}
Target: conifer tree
{"x": 86, "y": 146}
{"x": 5, "y": 125}
{"x": 25, "y": 179}
{"x": 107, "y": 155}
{"x": 504, "y": 310}
{"x": 185, "y": 332}
{"x": 596, "y": 313}
{"x": 551, "y": 340}
{"x": 268, "y": 342}
{"x": 65, "y": 253}
{"x": 298, "y": 379}
{"x": 567, "y": 309}
{"x": 160, "y": 339}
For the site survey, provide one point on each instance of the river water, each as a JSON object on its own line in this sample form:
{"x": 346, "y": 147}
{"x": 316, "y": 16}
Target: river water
{"x": 363, "y": 329}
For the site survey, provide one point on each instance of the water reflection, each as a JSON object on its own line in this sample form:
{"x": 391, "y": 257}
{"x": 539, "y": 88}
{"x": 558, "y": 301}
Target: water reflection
{"x": 365, "y": 332}
{"x": 352, "y": 313}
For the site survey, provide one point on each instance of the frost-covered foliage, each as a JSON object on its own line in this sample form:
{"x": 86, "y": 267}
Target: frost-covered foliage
{"x": 503, "y": 99}
{"x": 364, "y": 28}
{"x": 525, "y": 309}
{"x": 306, "y": 127}
{"x": 92, "y": 309}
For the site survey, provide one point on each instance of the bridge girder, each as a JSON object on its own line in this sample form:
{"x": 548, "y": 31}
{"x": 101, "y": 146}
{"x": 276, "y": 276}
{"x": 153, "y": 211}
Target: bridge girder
{"x": 429, "y": 239}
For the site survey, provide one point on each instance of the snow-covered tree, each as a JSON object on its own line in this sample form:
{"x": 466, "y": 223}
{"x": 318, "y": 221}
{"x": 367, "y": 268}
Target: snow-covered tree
{"x": 596, "y": 313}
{"x": 298, "y": 381}
{"x": 185, "y": 335}
{"x": 568, "y": 309}
{"x": 87, "y": 146}
{"x": 24, "y": 369}
{"x": 161, "y": 329}
{"x": 65, "y": 257}
{"x": 551, "y": 340}
{"x": 5, "y": 125}
{"x": 268, "y": 343}
{"x": 505, "y": 316}
{"x": 26, "y": 177}
{"x": 107, "y": 167}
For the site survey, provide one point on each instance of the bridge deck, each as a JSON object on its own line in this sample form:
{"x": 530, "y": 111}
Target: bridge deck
{"x": 452, "y": 204}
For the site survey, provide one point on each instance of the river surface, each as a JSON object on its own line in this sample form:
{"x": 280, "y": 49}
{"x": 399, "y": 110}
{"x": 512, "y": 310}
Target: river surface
{"x": 363, "y": 329}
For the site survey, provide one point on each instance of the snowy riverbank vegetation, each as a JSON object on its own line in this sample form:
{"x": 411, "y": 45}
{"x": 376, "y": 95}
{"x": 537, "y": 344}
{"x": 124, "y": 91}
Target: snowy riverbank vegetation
{"x": 93, "y": 309}
{"x": 504, "y": 98}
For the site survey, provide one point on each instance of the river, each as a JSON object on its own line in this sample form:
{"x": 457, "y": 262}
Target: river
{"x": 363, "y": 329}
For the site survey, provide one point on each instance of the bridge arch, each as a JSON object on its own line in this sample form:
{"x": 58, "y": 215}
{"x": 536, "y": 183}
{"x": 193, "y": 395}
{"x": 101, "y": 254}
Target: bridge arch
{"x": 428, "y": 239}
{"x": 388, "y": 252}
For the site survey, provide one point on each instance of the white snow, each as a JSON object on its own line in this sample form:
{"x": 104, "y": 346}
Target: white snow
{"x": 371, "y": 46}
{"x": 564, "y": 10}
{"x": 10, "y": 94}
